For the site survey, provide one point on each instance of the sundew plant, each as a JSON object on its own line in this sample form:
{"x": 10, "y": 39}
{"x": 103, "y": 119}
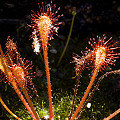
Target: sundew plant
{"x": 19, "y": 72}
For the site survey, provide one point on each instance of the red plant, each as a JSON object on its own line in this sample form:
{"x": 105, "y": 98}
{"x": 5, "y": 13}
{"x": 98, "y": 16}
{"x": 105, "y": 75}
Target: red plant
{"x": 17, "y": 73}
{"x": 103, "y": 55}
{"x": 21, "y": 72}
{"x": 4, "y": 66}
{"x": 103, "y": 52}
{"x": 44, "y": 24}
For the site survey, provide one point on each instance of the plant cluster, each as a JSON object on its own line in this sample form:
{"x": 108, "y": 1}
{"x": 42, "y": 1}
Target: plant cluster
{"x": 18, "y": 71}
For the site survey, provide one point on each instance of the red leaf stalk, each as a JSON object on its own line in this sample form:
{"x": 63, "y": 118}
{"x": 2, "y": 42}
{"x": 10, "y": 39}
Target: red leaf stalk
{"x": 9, "y": 109}
{"x": 86, "y": 93}
{"x": 113, "y": 114}
{"x": 45, "y": 25}
{"x": 22, "y": 99}
{"x": 48, "y": 81}
{"x": 10, "y": 78}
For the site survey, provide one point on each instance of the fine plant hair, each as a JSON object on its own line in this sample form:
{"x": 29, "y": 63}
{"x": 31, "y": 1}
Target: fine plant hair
{"x": 19, "y": 72}
{"x": 95, "y": 88}
{"x": 80, "y": 63}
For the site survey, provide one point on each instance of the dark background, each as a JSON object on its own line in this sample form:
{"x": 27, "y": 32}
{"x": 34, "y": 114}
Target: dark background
{"x": 94, "y": 17}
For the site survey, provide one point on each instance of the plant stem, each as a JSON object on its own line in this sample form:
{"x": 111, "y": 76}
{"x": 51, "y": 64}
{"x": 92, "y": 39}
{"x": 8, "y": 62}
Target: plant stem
{"x": 86, "y": 93}
{"x": 68, "y": 39}
{"x": 95, "y": 88}
{"x": 8, "y": 109}
{"x": 41, "y": 56}
{"x": 74, "y": 95}
{"x": 7, "y": 72}
{"x": 79, "y": 68}
{"x": 113, "y": 114}
{"x": 30, "y": 103}
{"x": 22, "y": 99}
{"x": 48, "y": 81}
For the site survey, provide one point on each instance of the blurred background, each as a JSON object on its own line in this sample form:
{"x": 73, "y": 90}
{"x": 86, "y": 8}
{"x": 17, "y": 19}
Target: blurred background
{"x": 94, "y": 17}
